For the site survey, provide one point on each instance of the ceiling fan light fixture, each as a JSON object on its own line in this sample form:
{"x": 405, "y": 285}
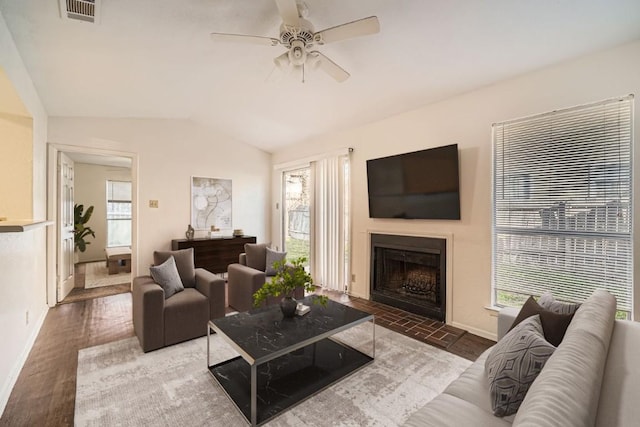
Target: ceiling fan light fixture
{"x": 282, "y": 61}
{"x": 297, "y": 53}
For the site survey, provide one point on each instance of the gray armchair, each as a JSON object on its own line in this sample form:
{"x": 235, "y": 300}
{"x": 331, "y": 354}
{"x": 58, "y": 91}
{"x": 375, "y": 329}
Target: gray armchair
{"x": 159, "y": 322}
{"x": 248, "y": 275}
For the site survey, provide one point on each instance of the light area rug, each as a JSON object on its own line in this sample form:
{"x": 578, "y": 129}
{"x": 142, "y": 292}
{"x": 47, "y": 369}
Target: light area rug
{"x": 97, "y": 275}
{"x": 119, "y": 385}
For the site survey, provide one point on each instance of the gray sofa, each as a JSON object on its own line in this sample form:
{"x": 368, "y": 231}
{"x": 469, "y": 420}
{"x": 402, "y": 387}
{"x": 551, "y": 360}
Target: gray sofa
{"x": 592, "y": 379}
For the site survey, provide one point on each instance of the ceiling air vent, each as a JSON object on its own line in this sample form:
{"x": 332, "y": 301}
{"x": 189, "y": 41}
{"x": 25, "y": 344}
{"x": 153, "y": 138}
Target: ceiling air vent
{"x": 80, "y": 10}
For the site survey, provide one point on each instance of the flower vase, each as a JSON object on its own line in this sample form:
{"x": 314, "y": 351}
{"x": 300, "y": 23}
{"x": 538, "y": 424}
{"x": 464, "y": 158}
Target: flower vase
{"x": 288, "y": 306}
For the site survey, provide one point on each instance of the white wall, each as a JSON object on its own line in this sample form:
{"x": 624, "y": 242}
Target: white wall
{"x": 22, "y": 255}
{"x": 91, "y": 190}
{"x": 466, "y": 120}
{"x": 169, "y": 153}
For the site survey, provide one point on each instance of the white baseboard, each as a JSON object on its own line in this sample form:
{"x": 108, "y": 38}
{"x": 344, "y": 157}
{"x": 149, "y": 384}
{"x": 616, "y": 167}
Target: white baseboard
{"x": 476, "y": 331}
{"x": 7, "y": 387}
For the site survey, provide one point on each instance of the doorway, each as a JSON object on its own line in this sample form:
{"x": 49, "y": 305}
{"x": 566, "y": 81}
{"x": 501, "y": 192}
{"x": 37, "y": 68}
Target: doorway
{"x": 96, "y": 174}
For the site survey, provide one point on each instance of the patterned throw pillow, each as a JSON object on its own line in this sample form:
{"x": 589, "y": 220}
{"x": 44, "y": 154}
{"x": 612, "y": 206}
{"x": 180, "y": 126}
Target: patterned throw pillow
{"x": 273, "y": 256}
{"x": 514, "y": 363}
{"x": 547, "y": 301}
{"x": 166, "y": 275}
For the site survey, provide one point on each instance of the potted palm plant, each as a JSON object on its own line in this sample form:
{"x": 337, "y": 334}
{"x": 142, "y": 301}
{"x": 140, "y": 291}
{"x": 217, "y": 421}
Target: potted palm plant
{"x": 288, "y": 277}
{"x": 80, "y": 231}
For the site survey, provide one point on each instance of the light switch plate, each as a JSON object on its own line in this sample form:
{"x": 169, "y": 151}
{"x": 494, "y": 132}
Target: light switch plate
{"x": 153, "y": 203}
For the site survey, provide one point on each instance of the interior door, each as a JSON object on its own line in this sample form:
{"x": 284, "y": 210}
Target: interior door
{"x": 65, "y": 260}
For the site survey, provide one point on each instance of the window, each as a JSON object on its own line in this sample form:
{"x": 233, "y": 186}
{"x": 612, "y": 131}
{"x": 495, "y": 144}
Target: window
{"x": 562, "y": 213}
{"x": 118, "y": 213}
{"x": 316, "y": 218}
{"x": 296, "y": 220}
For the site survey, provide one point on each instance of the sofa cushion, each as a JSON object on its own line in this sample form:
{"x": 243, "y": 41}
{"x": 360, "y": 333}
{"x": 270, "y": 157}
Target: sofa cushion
{"x": 548, "y": 302}
{"x": 620, "y": 393}
{"x": 185, "y": 316}
{"x": 256, "y": 255}
{"x": 451, "y": 411}
{"x": 166, "y": 275}
{"x": 567, "y": 390}
{"x": 554, "y": 325}
{"x": 473, "y": 386}
{"x": 184, "y": 263}
{"x": 272, "y": 257}
{"x": 514, "y": 363}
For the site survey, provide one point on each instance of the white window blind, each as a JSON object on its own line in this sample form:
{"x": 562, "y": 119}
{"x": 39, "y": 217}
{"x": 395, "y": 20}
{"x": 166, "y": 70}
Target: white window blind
{"x": 562, "y": 204}
{"x": 118, "y": 213}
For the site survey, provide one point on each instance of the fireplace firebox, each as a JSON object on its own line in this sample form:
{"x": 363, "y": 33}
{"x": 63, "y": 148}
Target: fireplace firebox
{"x": 409, "y": 273}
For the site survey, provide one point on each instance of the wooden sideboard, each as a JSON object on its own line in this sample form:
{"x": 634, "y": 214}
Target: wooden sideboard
{"x": 214, "y": 254}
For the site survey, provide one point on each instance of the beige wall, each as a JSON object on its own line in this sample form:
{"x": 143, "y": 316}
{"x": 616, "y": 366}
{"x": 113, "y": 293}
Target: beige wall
{"x": 466, "y": 120}
{"x": 91, "y": 190}
{"x": 169, "y": 153}
{"x": 22, "y": 255}
{"x": 16, "y": 162}
{"x": 16, "y": 171}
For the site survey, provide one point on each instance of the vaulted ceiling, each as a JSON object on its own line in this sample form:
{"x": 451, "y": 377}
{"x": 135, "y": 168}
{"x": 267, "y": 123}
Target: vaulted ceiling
{"x": 155, "y": 59}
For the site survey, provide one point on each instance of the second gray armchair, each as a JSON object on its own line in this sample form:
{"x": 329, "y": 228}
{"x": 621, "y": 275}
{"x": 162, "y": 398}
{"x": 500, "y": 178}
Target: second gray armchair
{"x": 250, "y": 273}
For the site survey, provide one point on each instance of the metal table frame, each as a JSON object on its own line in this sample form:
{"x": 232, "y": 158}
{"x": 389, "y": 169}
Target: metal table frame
{"x": 254, "y": 363}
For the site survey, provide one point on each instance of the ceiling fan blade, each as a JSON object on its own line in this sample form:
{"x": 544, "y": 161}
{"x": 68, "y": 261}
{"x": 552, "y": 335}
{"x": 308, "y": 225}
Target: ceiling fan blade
{"x": 330, "y": 67}
{"x": 289, "y": 12}
{"x": 242, "y": 38}
{"x": 361, "y": 27}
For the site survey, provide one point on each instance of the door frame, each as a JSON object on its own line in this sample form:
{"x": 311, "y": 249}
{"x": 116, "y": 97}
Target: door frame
{"x": 52, "y": 207}
{"x": 283, "y": 212}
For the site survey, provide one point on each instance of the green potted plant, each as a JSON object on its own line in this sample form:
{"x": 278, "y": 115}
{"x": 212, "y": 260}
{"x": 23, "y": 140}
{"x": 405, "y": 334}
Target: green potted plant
{"x": 80, "y": 232}
{"x": 288, "y": 277}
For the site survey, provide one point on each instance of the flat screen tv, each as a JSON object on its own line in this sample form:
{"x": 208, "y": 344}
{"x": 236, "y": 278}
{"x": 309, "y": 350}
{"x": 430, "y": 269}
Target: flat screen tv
{"x": 419, "y": 185}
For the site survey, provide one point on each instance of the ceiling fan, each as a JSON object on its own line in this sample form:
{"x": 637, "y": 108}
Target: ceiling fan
{"x": 300, "y": 39}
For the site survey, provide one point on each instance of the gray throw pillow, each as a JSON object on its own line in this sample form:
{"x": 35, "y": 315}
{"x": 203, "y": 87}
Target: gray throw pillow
{"x": 514, "y": 363}
{"x": 184, "y": 263}
{"x": 166, "y": 275}
{"x": 272, "y": 257}
{"x": 256, "y": 255}
{"x": 547, "y": 301}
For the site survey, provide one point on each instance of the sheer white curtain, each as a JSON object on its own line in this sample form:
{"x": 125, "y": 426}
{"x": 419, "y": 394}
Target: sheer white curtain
{"x": 331, "y": 222}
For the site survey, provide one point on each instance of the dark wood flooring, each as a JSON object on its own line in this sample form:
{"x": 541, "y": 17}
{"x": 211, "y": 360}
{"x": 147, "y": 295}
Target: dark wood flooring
{"x": 79, "y": 293}
{"x": 44, "y": 394}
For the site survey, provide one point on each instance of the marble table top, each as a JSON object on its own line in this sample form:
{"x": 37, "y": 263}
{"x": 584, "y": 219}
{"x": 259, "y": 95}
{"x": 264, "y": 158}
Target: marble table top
{"x": 263, "y": 334}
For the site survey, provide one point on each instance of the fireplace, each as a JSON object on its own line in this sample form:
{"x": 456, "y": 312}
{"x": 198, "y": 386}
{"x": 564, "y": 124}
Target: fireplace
{"x": 409, "y": 273}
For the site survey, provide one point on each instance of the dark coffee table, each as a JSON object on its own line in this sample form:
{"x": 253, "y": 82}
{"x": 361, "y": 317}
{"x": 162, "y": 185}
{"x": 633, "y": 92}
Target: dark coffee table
{"x": 285, "y": 361}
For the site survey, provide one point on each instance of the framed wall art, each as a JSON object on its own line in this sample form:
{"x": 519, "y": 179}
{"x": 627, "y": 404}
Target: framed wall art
{"x": 210, "y": 203}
